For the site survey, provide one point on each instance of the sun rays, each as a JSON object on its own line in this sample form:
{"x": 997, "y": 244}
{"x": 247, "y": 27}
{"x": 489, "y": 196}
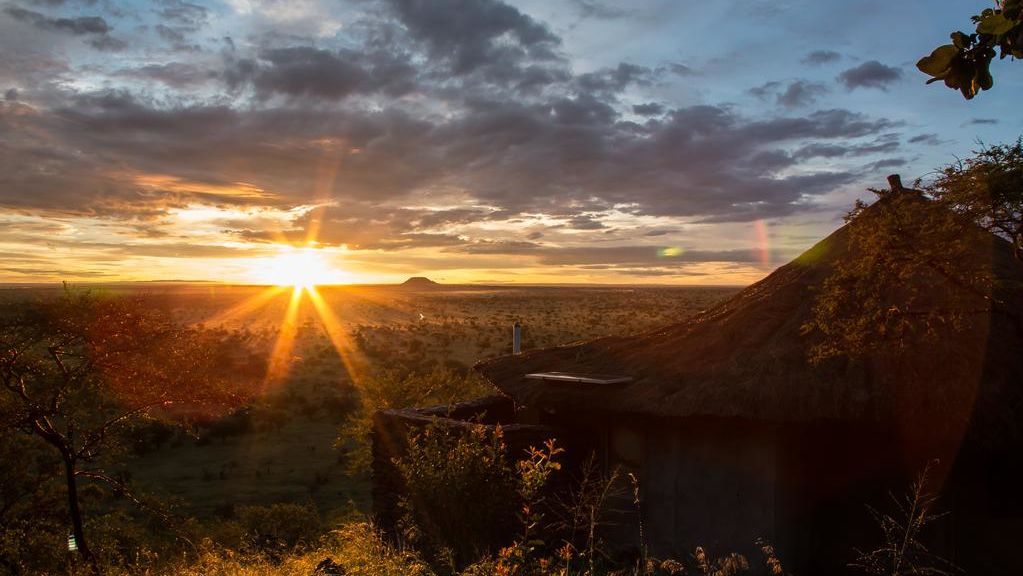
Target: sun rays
{"x": 302, "y": 267}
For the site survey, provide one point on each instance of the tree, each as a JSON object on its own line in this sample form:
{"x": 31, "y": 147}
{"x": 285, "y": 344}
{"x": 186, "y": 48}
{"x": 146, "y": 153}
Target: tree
{"x": 964, "y": 64}
{"x": 988, "y": 190}
{"x": 78, "y": 370}
{"x": 921, "y": 261}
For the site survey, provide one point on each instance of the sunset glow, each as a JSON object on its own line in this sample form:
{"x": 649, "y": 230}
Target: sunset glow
{"x": 298, "y": 267}
{"x": 536, "y": 142}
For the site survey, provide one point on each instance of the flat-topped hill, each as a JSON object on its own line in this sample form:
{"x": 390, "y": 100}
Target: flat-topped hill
{"x": 420, "y": 283}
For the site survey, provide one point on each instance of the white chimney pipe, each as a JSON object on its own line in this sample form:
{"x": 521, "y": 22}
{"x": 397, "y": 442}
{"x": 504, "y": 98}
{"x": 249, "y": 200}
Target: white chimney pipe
{"x": 517, "y": 338}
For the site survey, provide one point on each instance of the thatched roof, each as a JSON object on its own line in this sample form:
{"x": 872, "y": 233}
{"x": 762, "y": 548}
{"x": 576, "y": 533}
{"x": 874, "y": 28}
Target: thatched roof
{"x": 747, "y": 357}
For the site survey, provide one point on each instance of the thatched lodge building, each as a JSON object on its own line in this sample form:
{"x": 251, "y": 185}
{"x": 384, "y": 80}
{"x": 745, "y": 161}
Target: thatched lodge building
{"x": 734, "y": 434}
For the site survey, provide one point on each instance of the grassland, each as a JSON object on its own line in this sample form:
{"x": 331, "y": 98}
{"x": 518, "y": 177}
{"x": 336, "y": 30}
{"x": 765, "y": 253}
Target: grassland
{"x": 281, "y": 448}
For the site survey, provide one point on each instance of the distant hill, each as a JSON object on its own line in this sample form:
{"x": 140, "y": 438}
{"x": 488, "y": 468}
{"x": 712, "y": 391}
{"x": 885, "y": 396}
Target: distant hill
{"x": 420, "y": 283}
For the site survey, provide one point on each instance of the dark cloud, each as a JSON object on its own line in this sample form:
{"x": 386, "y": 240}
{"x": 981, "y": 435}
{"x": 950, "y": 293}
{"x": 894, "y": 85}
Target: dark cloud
{"x": 80, "y": 26}
{"x": 169, "y": 34}
{"x": 614, "y": 80}
{"x": 585, "y": 222}
{"x": 600, "y": 10}
{"x": 11, "y": 95}
{"x": 929, "y": 139}
{"x": 94, "y": 28}
{"x": 983, "y": 121}
{"x": 474, "y": 35}
{"x": 567, "y": 155}
{"x": 871, "y": 74}
{"x": 765, "y": 90}
{"x": 681, "y": 69}
{"x": 176, "y": 74}
{"x": 107, "y": 43}
{"x": 455, "y": 104}
{"x": 887, "y": 163}
{"x": 801, "y": 93}
{"x": 886, "y": 144}
{"x": 818, "y": 57}
{"x": 648, "y": 109}
{"x": 308, "y": 71}
{"x": 185, "y": 14}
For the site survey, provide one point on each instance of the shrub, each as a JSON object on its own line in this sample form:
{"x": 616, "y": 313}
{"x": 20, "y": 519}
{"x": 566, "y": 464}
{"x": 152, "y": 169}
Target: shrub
{"x": 461, "y": 498}
{"x": 273, "y": 530}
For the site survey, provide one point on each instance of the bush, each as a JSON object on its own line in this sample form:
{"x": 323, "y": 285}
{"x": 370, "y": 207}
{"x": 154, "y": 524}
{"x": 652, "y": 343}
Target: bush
{"x": 273, "y": 530}
{"x": 461, "y": 500}
{"x": 397, "y": 389}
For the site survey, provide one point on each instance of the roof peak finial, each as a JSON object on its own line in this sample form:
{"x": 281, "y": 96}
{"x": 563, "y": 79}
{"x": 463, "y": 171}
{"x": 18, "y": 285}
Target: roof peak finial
{"x": 895, "y": 183}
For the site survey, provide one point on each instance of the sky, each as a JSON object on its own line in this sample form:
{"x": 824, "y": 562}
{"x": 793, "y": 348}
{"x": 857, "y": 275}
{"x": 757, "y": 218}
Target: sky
{"x": 534, "y": 141}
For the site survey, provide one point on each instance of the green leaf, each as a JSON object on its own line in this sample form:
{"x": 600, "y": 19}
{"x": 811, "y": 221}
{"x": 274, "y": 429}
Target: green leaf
{"x": 996, "y": 25}
{"x": 960, "y": 40}
{"x": 939, "y": 60}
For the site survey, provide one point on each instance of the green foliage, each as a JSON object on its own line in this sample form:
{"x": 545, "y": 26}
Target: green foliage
{"x": 920, "y": 262}
{"x": 460, "y": 492}
{"x": 988, "y": 190}
{"x": 31, "y": 505}
{"x": 77, "y": 371}
{"x": 391, "y": 389}
{"x": 964, "y": 64}
{"x": 279, "y": 528}
{"x": 913, "y": 273}
{"x": 534, "y": 476}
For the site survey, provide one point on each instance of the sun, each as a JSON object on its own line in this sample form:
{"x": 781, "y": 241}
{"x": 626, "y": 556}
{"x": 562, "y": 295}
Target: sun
{"x": 298, "y": 267}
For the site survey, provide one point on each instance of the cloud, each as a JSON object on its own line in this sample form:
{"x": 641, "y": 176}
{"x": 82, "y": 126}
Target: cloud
{"x": 599, "y": 10}
{"x": 819, "y": 57}
{"x": 614, "y": 80}
{"x": 475, "y": 35}
{"x": 648, "y": 109}
{"x": 871, "y": 74}
{"x": 175, "y": 74}
{"x": 765, "y": 90}
{"x": 441, "y": 125}
{"x": 185, "y": 14}
{"x": 80, "y": 26}
{"x": 634, "y": 256}
{"x": 928, "y": 139}
{"x": 95, "y": 28}
{"x": 801, "y": 93}
{"x": 887, "y": 163}
{"x": 983, "y": 121}
{"x": 886, "y": 144}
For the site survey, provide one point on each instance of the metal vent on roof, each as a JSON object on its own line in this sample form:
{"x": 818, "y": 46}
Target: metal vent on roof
{"x": 576, "y": 378}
